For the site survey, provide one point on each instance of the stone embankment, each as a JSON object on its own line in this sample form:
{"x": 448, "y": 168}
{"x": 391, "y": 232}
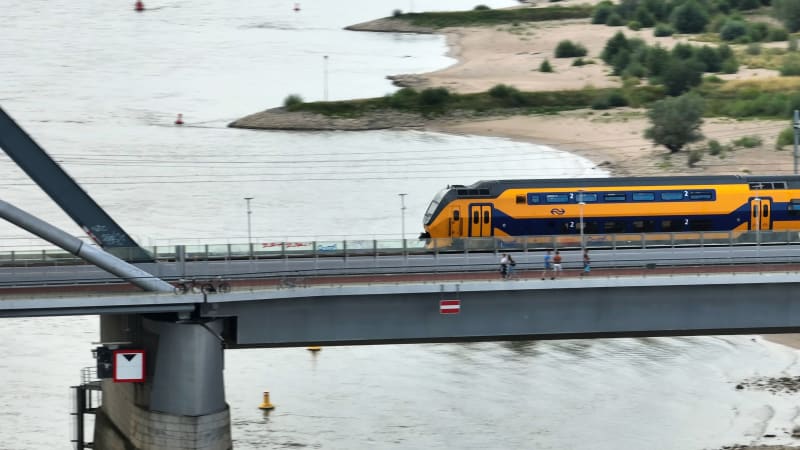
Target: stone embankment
{"x": 281, "y": 119}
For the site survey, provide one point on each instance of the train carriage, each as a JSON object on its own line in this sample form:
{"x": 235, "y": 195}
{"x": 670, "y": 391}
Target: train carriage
{"x": 599, "y": 206}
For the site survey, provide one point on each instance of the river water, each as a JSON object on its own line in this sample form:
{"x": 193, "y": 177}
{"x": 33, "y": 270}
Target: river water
{"x": 98, "y": 86}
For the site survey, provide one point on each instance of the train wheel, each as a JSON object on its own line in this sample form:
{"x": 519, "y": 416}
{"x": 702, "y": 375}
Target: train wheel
{"x": 208, "y": 288}
{"x": 224, "y": 288}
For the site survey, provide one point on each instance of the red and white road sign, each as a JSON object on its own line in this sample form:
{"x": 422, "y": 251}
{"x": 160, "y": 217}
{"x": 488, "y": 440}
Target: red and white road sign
{"x": 128, "y": 366}
{"x": 449, "y": 306}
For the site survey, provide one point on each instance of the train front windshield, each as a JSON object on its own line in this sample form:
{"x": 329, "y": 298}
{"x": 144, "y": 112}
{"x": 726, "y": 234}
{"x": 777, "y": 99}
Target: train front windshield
{"x": 432, "y": 207}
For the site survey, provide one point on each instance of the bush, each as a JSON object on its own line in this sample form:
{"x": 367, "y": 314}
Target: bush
{"x": 569, "y": 49}
{"x": 676, "y": 121}
{"x": 582, "y": 62}
{"x": 292, "y": 101}
{"x": 694, "y": 157}
{"x": 786, "y": 137}
{"x": 748, "y": 141}
{"x": 545, "y": 66}
{"x": 791, "y": 66}
{"x": 754, "y": 48}
{"x": 614, "y": 20}
{"x": 482, "y": 8}
{"x": 634, "y": 25}
{"x": 730, "y": 65}
{"x": 777, "y": 34}
{"x": 508, "y": 95}
{"x": 732, "y": 30}
{"x": 405, "y": 98}
{"x": 792, "y": 44}
{"x": 714, "y": 147}
{"x": 397, "y": 13}
{"x": 788, "y": 12}
{"x": 662, "y": 30}
{"x": 601, "y": 12}
{"x": 433, "y": 97}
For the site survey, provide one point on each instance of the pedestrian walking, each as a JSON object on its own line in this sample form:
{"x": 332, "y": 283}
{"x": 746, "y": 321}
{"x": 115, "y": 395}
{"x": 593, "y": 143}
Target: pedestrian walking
{"x": 556, "y": 265}
{"x": 548, "y": 263}
{"x": 586, "y": 267}
{"x": 503, "y": 265}
{"x": 510, "y": 266}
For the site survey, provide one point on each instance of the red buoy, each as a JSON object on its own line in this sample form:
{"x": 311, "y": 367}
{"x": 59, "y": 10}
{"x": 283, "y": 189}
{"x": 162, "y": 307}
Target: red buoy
{"x": 179, "y": 120}
{"x": 139, "y": 6}
{"x": 297, "y": 6}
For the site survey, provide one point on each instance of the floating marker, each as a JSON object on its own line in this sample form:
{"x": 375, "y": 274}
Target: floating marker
{"x": 266, "y": 404}
{"x": 179, "y": 120}
{"x": 139, "y": 6}
{"x": 314, "y": 348}
{"x": 297, "y": 7}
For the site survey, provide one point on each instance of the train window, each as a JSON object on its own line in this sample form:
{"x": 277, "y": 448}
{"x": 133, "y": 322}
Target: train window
{"x": 462, "y": 191}
{"x": 779, "y": 185}
{"x": 794, "y": 207}
{"x": 586, "y": 197}
{"x": 701, "y": 195}
{"x": 760, "y": 185}
{"x": 672, "y": 195}
{"x": 473, "y": 192}
{"x": 614, "y": 227}
{"x": 644, "y": 196}
{"x": 476, "y": 217}
{"x": 456, "y": 215}
{"x": 672, "y": 225}
{"x": 765, "y": 211}
{"x": 614, "y": 197}
{"x": 755, "y": 211}
{"x": 486, "y": 217}
{"x": 533, "y": 199}
{"x": 701, "y": 225}
{"x": 483, "y": 192}
{"x": 557, "y": 198}
{"x": 520, "y": 199}
{"x": 644, "y": 226}
{"x": 591, "y": 228}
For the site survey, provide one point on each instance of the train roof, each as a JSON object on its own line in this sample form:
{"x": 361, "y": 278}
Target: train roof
{"x": 792, "y": 181}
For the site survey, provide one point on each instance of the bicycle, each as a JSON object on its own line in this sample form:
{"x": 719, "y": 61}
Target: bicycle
{"x": 219, "y": 285}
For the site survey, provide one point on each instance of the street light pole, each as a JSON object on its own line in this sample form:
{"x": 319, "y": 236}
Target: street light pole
{"x": 325, "y": 77}
{"x": 249, "y": 213}
{"x": 581, "y": 203}
{"x": 796, "y": 127}
{"x": 403, "y": 215}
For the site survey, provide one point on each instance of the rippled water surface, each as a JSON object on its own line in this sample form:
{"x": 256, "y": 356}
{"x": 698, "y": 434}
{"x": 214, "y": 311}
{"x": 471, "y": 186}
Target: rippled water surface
{"x": 98, "y": 86}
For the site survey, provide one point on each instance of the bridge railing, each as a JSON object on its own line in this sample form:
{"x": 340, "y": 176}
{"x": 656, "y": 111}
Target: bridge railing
{"x": 52, "y": 256}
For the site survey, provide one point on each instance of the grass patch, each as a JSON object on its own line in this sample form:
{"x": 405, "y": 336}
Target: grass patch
{"x": 767, "y": 58}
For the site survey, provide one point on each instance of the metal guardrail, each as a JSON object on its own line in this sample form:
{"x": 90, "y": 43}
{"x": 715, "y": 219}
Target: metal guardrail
{"x": 345, "y": 248}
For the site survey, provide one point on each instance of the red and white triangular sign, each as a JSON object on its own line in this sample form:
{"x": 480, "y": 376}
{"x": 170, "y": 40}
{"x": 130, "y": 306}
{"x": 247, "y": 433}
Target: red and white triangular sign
{"x": 128, "y": 366}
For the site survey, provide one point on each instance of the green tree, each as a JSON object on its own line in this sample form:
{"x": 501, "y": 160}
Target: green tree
{"x": 676, "y": 121}
{"x": 680, "y": 76}
{"x": 788, "y": 12}
{"x": 690, "y": 18}
{"x": 545, "y": 66}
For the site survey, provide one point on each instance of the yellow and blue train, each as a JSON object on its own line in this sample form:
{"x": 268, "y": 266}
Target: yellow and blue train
{"x": 615, "y": 205}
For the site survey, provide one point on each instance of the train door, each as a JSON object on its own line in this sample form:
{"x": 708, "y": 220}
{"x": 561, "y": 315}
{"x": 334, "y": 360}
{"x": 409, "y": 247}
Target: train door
{"x": 760, "y": 214}
{"x": 456, "y": 223}
{"x": 480, "y": 220}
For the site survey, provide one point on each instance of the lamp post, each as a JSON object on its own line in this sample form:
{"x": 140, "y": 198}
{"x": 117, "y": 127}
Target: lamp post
{"x": 581, "y": 203}
{"x": 757, "y": 218}
{"x": 249, "y": 232}
{"x": 403, "y": 216}
{"x": 325, "y": 77}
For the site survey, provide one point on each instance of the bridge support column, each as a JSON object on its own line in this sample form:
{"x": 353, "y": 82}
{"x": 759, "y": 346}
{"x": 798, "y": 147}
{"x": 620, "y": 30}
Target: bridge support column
{"x": 181, "y": 404}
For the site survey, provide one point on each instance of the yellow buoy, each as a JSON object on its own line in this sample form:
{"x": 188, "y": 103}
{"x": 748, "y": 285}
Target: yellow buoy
{"x": 314, "y": 348}
{"x": 266, "y": 404}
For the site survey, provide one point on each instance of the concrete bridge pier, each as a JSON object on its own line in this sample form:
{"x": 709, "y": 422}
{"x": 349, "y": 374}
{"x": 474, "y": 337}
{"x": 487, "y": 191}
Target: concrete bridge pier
{"x": 181, "y": 404}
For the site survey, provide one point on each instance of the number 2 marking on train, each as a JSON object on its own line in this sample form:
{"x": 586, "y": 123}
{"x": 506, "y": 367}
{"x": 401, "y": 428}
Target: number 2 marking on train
{"x": 571, "y": 224}
{"x": 686, "y": 221}
{"x": 685, "y": 193}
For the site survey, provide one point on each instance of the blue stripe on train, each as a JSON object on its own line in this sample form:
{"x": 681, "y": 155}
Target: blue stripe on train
{"x": 557, "y": 225}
